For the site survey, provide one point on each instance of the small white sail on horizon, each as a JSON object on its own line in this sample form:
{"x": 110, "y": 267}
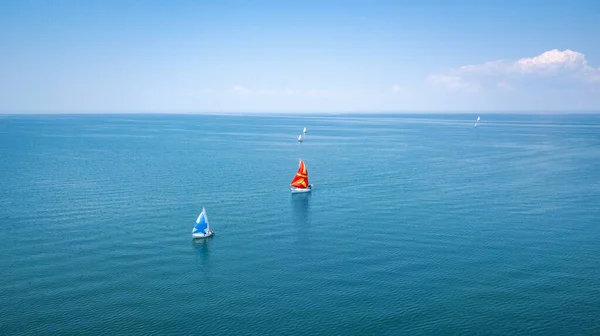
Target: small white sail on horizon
{"x": 304, "y": 131}
{"x": 202, "y": 227}
{"x": 476, "y": 122}
{"x": 300, "y": 138}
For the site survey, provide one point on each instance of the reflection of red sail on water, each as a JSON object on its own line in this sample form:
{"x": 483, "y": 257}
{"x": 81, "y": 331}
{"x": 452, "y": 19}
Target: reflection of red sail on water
{"x": 300, "y": 181}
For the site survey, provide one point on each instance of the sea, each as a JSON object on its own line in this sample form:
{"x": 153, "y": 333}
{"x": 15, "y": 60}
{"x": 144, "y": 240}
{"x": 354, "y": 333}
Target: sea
{"x": 417, "y": 224}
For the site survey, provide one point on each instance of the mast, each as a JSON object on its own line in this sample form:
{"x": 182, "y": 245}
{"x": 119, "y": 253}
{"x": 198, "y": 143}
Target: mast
{"x": 206, "y": 219}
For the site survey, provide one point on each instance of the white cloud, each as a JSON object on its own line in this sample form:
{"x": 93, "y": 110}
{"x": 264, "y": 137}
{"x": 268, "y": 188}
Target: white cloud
{"x": 445, "y": 80}
{"x": 551, "y": 67}
{"x": 265, "y": 91}
{"x": 504, "y": 85}
{"x": 451, "y": 82}
{"x": 319, "y": 93}
{"x": 206, "y": 91}
{"x": 243, "y": 90}
{"x": 553, "y": 60}
{"x": 187, "y": 91}
{"x": 397, "y": 88}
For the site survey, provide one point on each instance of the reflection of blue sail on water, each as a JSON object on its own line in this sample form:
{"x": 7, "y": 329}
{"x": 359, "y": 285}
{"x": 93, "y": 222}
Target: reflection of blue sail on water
{"x": 202, "y": 247}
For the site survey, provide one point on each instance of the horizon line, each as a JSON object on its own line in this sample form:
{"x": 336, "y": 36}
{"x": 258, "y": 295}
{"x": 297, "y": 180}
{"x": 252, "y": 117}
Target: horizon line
{"x": 251, "y": 113}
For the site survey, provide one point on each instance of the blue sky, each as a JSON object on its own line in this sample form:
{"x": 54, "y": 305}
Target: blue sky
{"x": 295, "y": 56}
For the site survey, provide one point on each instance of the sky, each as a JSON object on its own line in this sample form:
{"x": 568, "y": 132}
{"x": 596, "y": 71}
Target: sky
{"x": 299, "y": 56}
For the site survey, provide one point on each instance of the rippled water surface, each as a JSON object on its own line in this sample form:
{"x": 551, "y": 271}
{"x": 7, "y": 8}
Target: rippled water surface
{"x": 417, "y": 225}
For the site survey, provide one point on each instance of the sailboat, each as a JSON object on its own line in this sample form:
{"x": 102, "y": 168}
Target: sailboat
{"x": 304, "y": 131}
{"x": 300, "y": 138}
{"x": 202, "y": 228}
{"x": 478, "y": 119}
{"x": 300, "y": 183}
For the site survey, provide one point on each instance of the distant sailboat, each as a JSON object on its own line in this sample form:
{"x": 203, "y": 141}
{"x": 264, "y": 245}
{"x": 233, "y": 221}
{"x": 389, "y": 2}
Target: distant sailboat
{"x": 304, "y": 131}
{"x": 300, "y": 183}
{"x": 300, "y": 138}
{"x": 478, "y": 119}
{"x": 202, "y": 228}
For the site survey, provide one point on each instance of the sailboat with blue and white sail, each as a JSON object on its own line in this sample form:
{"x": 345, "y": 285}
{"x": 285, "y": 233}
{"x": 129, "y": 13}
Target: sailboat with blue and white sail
{"x": 202, "y": 228}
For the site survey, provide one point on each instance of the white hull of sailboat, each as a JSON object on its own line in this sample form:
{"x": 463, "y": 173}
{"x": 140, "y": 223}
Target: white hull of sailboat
{"x": 301, "y": 190}
{"x": 202, "y": 235}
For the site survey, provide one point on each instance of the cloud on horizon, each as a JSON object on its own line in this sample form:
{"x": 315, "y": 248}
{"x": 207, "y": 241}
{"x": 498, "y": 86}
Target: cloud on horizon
{"x": 552, "y": 68}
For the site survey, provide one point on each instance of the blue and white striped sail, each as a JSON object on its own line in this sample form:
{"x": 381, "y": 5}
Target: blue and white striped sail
{"x": 201, "y": 227}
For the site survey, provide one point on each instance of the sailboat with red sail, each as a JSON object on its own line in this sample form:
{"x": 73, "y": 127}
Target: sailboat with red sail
{"x": 300, "y": 182}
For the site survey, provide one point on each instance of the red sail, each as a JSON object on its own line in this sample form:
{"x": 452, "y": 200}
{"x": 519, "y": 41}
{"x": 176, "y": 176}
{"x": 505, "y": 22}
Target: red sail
{"x": 301, "y": 178}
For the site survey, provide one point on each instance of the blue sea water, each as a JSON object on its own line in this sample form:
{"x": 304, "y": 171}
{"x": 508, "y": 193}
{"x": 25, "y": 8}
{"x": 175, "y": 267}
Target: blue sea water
{"x": 418, "y": 224}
